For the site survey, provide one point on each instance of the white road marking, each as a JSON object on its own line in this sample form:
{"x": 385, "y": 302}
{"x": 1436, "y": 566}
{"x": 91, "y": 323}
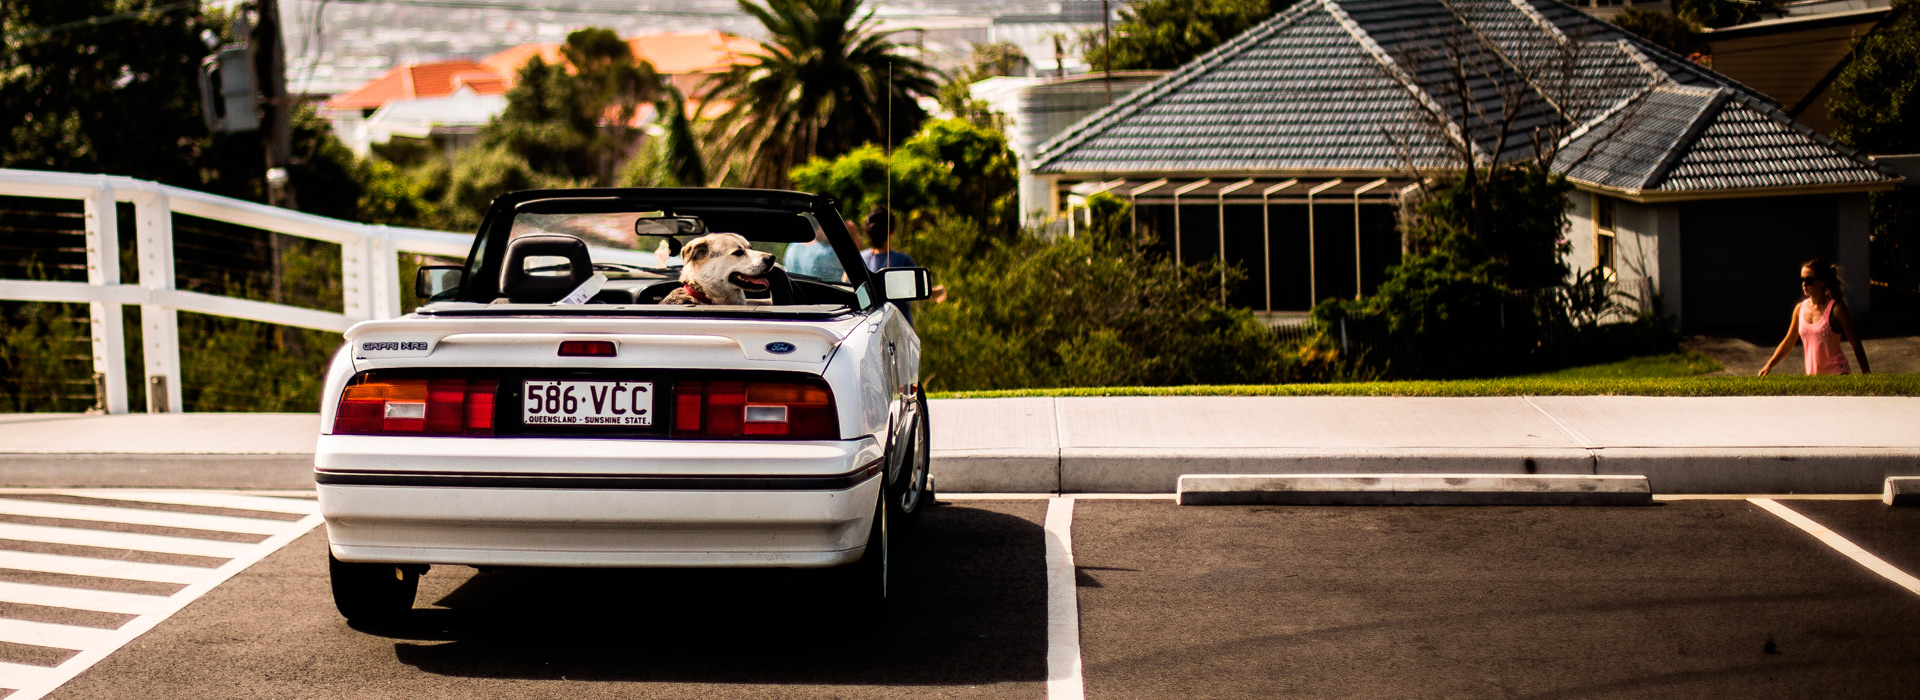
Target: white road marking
{"x": 1773, "y": 496}
{"x": 1840, "y": 544}
{"x": 122, "y": 540}
{"x": 1063, "y": 606}
{"x": 46, "y": 634}
{"x": 137, "y": 516}
{"x": 211, "y": 499}
{"x": 32, "y": 682}
{"x": 104, "y": 568}
{"x": 80, "y": 598}
{"x": 27, "y": 675}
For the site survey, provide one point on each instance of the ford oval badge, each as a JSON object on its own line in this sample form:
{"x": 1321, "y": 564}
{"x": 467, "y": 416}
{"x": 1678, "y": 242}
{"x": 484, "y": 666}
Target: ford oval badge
{"x": 779, "y": 348}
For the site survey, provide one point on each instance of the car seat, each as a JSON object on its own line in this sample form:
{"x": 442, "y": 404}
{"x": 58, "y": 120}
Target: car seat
{"x": 523, "y": 287}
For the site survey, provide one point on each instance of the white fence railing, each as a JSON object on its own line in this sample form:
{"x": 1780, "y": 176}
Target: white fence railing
{"x": 369, "y": 266}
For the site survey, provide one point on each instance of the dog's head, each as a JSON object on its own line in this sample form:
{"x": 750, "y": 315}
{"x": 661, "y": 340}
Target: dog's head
{"x": 725, "y": 264}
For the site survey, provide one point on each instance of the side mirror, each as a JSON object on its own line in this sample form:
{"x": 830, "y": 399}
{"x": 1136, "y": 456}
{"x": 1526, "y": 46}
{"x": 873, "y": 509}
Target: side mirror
{"x": 906, "y": 283}
{"x": 433, "y": 280}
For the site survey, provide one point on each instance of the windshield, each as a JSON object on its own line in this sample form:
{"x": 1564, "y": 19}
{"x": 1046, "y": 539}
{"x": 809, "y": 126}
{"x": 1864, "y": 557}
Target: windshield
{"x": 649, "y": 246}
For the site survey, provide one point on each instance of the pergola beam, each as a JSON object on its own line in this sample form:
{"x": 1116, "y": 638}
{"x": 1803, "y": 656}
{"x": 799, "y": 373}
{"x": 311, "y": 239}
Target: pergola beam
{"x": 1224, "y": 191}
{"x": 1133, "y": 206}
{"x": 1266, "y": 234}
{"x": 1313, "y": 258}
{"x": 1357, "y": 290}
{"x": 1178, "y": 261}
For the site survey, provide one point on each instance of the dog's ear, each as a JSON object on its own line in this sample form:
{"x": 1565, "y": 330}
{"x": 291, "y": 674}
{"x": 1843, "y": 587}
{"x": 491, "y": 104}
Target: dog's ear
{"x": 697, "y": 251}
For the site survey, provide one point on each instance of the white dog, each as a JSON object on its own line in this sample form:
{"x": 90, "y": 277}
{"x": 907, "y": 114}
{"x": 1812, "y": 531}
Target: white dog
{"x": 720, "y": 269}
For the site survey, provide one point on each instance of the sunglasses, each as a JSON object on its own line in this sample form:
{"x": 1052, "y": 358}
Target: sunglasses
{"x": 1808, "y": 280}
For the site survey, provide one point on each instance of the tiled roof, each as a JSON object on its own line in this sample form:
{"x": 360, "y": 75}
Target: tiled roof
{"x": 1689, "y": 140}
{"x": 685, "y": 57}
{"x": 672, "y": 53}
{"x": 409, "y": 82}
{"x": 1291, "y": 93}
{"x": 1356, "y": 85}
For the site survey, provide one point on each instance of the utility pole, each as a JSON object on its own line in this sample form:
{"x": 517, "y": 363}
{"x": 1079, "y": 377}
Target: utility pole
{"x": 270, "y": 67}
{"x": 1106, "y": 69}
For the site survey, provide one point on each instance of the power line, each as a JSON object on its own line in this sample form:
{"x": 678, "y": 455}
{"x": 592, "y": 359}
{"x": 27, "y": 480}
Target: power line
{"x": 97, "y": 21}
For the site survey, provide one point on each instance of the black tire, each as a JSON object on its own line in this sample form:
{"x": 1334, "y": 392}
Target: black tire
{"x": 862, "y": 585}
{"x": 911, "y": 491}
{"x": 372, "y": 593}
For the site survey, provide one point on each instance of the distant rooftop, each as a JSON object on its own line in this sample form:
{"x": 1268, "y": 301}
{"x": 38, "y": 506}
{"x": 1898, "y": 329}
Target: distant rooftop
{"x": 1362, "y": 86}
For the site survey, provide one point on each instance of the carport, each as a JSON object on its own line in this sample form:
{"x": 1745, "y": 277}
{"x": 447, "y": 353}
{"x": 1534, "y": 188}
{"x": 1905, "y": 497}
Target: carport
{"x": 1299, "y": 239}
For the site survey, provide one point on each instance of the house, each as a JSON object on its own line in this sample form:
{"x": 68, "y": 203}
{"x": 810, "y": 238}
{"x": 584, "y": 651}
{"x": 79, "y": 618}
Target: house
{"x": 1289, "y": 149}
{"x": 1795, "y": 59}
{"x": 447, "y": 102}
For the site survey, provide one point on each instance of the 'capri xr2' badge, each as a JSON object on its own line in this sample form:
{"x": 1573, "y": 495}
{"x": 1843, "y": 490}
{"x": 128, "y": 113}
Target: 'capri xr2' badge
{"x": 779, "y": 348}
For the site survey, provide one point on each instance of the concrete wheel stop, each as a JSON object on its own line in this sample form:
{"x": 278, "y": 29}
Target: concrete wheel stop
{"x": 1417, "y": 489}
{"x": 1901, "y": 491}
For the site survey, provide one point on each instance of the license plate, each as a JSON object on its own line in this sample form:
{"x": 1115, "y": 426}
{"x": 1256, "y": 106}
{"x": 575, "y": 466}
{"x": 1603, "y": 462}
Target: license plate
{"x": 548, "y": 402}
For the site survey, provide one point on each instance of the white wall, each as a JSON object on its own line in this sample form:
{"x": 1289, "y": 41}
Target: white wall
{"x": 1646, "y": 249}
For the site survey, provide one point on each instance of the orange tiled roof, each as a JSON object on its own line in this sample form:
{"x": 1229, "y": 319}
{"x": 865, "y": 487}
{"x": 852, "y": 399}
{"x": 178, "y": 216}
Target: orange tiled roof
{"x": 686, "y": 57}
{"x": 672, "y": 53}
{"x": 437, "y": 79}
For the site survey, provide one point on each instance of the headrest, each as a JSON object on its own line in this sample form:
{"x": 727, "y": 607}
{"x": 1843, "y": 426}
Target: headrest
{"x": 551, "y": 278}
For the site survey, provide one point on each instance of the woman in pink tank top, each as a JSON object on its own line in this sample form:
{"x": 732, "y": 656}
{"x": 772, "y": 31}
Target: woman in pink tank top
{"x": 1813, "y": 323}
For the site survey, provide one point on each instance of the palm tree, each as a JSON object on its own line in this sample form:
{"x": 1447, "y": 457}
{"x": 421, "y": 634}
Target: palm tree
{"x": 823, "y": 83}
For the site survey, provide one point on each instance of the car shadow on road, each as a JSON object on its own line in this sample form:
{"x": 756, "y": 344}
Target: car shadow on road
{"x": 969, "y": 607}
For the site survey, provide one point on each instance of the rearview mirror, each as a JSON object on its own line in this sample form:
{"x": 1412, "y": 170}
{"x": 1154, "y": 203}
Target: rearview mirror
{"x": 906, "y": 283}
{"x": 669, "y": 226}
{"x": 433, "y": 280}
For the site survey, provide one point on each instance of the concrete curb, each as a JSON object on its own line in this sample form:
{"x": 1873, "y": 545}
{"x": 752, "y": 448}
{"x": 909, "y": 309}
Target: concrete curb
{"x": 1413, "y": 489}
{"x": 1901, "y": 491}
{"x": 1697, "y": 470}
{"x": 228, "y": 471}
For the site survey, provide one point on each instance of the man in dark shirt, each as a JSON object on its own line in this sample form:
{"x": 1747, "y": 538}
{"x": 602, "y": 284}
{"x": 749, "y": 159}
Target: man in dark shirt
{"x": 879, "y": 256}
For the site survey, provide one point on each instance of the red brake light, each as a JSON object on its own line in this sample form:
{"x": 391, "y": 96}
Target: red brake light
{"x": 588, "y": 348}
{"x": 435, "y": 407}
{"x": 796, "y": 410}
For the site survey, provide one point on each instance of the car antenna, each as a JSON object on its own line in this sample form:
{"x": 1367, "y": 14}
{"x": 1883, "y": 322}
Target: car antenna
{"x": 887, "y": 197}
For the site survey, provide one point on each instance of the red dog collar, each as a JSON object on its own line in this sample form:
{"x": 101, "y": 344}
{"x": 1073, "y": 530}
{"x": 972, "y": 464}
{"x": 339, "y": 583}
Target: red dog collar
{"x": 694, "y": 292}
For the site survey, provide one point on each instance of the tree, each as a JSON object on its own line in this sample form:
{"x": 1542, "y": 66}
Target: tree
{"x": 825, "y": 82}
{"x": 952, "y": 168}
{"x": 1876, "y": 108}
{"x": 1724, "y": 13}
{"x": 1678, "y": 34}
{"x": 120, "y": 98}
{"x": 1167, "y": 34}
{"x": 1876, "y": 98}
{"x": 1090, "y": 310}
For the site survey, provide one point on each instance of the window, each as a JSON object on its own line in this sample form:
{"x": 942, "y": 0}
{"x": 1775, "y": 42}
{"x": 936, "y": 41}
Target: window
{"x": 1603, "y": 238}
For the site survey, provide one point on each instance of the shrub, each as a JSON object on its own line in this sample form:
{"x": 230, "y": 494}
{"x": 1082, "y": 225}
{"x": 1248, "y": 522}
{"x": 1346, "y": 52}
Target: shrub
{"x": 1090, "y": 310}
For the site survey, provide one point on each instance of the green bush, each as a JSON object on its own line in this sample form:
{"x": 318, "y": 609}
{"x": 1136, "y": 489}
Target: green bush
{"x": 1090, "y": 310}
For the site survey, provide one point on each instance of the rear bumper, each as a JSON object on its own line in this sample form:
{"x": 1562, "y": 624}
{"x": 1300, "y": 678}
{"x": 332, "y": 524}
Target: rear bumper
{"x": 597, "y": 503}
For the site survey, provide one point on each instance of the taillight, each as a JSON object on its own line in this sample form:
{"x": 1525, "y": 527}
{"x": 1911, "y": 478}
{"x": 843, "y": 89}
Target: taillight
{"x": 416, "y": 407}
{"x": 795, "y": 410}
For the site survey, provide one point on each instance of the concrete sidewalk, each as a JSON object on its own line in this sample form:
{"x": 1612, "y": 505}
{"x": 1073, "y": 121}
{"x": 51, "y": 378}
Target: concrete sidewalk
{"x": 1143, "y": 444}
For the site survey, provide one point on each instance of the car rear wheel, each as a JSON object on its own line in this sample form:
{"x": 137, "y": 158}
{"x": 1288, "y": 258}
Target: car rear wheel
{"x": 912, "y": 491}
{"x": 862, "y": 585}
{"x": 372, "y": 593}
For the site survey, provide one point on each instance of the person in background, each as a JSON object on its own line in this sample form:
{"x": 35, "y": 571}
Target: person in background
{"x": 879, "y": 255}
{"x": 815, "y": 259}
{"x": 1813, "y": 323}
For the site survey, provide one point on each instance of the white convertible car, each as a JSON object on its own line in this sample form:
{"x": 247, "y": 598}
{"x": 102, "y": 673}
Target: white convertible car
{"x": 544, "y": 409}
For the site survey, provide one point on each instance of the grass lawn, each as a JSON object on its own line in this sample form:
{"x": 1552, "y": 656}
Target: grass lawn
{"x": 1678, "y": 374}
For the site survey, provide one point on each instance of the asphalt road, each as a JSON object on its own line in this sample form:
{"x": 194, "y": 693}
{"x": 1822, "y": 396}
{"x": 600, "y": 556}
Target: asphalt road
{"x": 1704, "y": 598}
